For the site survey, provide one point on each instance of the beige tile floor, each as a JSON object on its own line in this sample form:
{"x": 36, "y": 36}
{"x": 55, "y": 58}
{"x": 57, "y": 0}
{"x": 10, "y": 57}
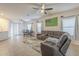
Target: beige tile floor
{"x": 73, "y": 49}
{"x": 15, "y": 47}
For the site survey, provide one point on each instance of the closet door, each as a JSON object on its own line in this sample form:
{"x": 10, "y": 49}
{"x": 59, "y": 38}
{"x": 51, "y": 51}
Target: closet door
{"x": 69, "y": 26}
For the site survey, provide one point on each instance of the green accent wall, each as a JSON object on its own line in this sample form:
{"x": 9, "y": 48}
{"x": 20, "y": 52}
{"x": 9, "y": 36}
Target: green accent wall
{"x": 52, "y": 22}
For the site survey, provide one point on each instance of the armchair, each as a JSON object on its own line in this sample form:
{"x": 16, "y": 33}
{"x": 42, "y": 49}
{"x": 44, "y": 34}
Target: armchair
{"x": 50, "y": 48}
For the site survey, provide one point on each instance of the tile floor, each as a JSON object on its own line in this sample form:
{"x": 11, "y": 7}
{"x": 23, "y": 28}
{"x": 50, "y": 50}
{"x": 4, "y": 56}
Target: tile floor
{"x": 15, "y": 47}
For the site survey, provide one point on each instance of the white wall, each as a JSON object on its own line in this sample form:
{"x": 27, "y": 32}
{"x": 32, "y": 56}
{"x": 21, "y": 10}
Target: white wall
{"x": 3, "y": 35}
{"x": 4, "y": 25}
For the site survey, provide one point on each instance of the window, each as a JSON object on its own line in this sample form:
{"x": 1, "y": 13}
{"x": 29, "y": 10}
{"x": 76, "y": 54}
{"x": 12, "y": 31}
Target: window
{"x": 11, "y": 29}
{"x": 14, "y": 29}
{"x": 39, "y": 27}
{"x": 68, "y": 25}
{"x": 29, "y": 27}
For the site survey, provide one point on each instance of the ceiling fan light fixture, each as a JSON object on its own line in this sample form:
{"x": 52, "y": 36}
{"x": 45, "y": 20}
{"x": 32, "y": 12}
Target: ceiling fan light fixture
{"x": 42, "y": 11}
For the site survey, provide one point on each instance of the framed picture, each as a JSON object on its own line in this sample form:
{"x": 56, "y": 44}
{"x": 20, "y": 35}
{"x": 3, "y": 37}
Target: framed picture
{"x": 52, "y": 22}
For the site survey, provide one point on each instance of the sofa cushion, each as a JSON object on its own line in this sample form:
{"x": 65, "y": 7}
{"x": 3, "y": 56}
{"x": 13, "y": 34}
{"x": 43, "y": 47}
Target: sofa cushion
{"x": 54, "y": 34}
{"x": 53, "y": 40}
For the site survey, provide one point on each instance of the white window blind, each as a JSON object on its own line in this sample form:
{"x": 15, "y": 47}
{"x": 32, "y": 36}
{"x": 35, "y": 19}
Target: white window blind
{"x": 68, "y": 25}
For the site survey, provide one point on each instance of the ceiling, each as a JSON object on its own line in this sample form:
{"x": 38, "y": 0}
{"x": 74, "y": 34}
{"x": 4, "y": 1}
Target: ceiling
{"x": 25, "y": 11}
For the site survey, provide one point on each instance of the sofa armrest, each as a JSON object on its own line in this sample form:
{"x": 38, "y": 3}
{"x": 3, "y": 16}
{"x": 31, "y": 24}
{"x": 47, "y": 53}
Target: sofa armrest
{"x": 64, "y": 48}
{"x": 50, "y": 50}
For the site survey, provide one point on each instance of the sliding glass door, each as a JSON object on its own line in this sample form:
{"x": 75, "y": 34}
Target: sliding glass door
{"x": 69, "y": 25}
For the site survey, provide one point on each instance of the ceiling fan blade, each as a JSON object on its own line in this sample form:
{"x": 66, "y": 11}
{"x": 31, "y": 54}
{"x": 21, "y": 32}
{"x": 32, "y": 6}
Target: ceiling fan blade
{"x": 43, "y": 6}
{"x": 36, "y": 8}
{"x": 49, "y": 9}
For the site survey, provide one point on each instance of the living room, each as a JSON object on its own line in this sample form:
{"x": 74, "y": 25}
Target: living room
{"x": 25, "y": 30}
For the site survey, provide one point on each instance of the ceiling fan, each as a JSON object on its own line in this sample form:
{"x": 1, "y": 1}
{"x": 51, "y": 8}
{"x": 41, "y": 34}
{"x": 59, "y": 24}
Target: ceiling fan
{"x": 43, "y": 9}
